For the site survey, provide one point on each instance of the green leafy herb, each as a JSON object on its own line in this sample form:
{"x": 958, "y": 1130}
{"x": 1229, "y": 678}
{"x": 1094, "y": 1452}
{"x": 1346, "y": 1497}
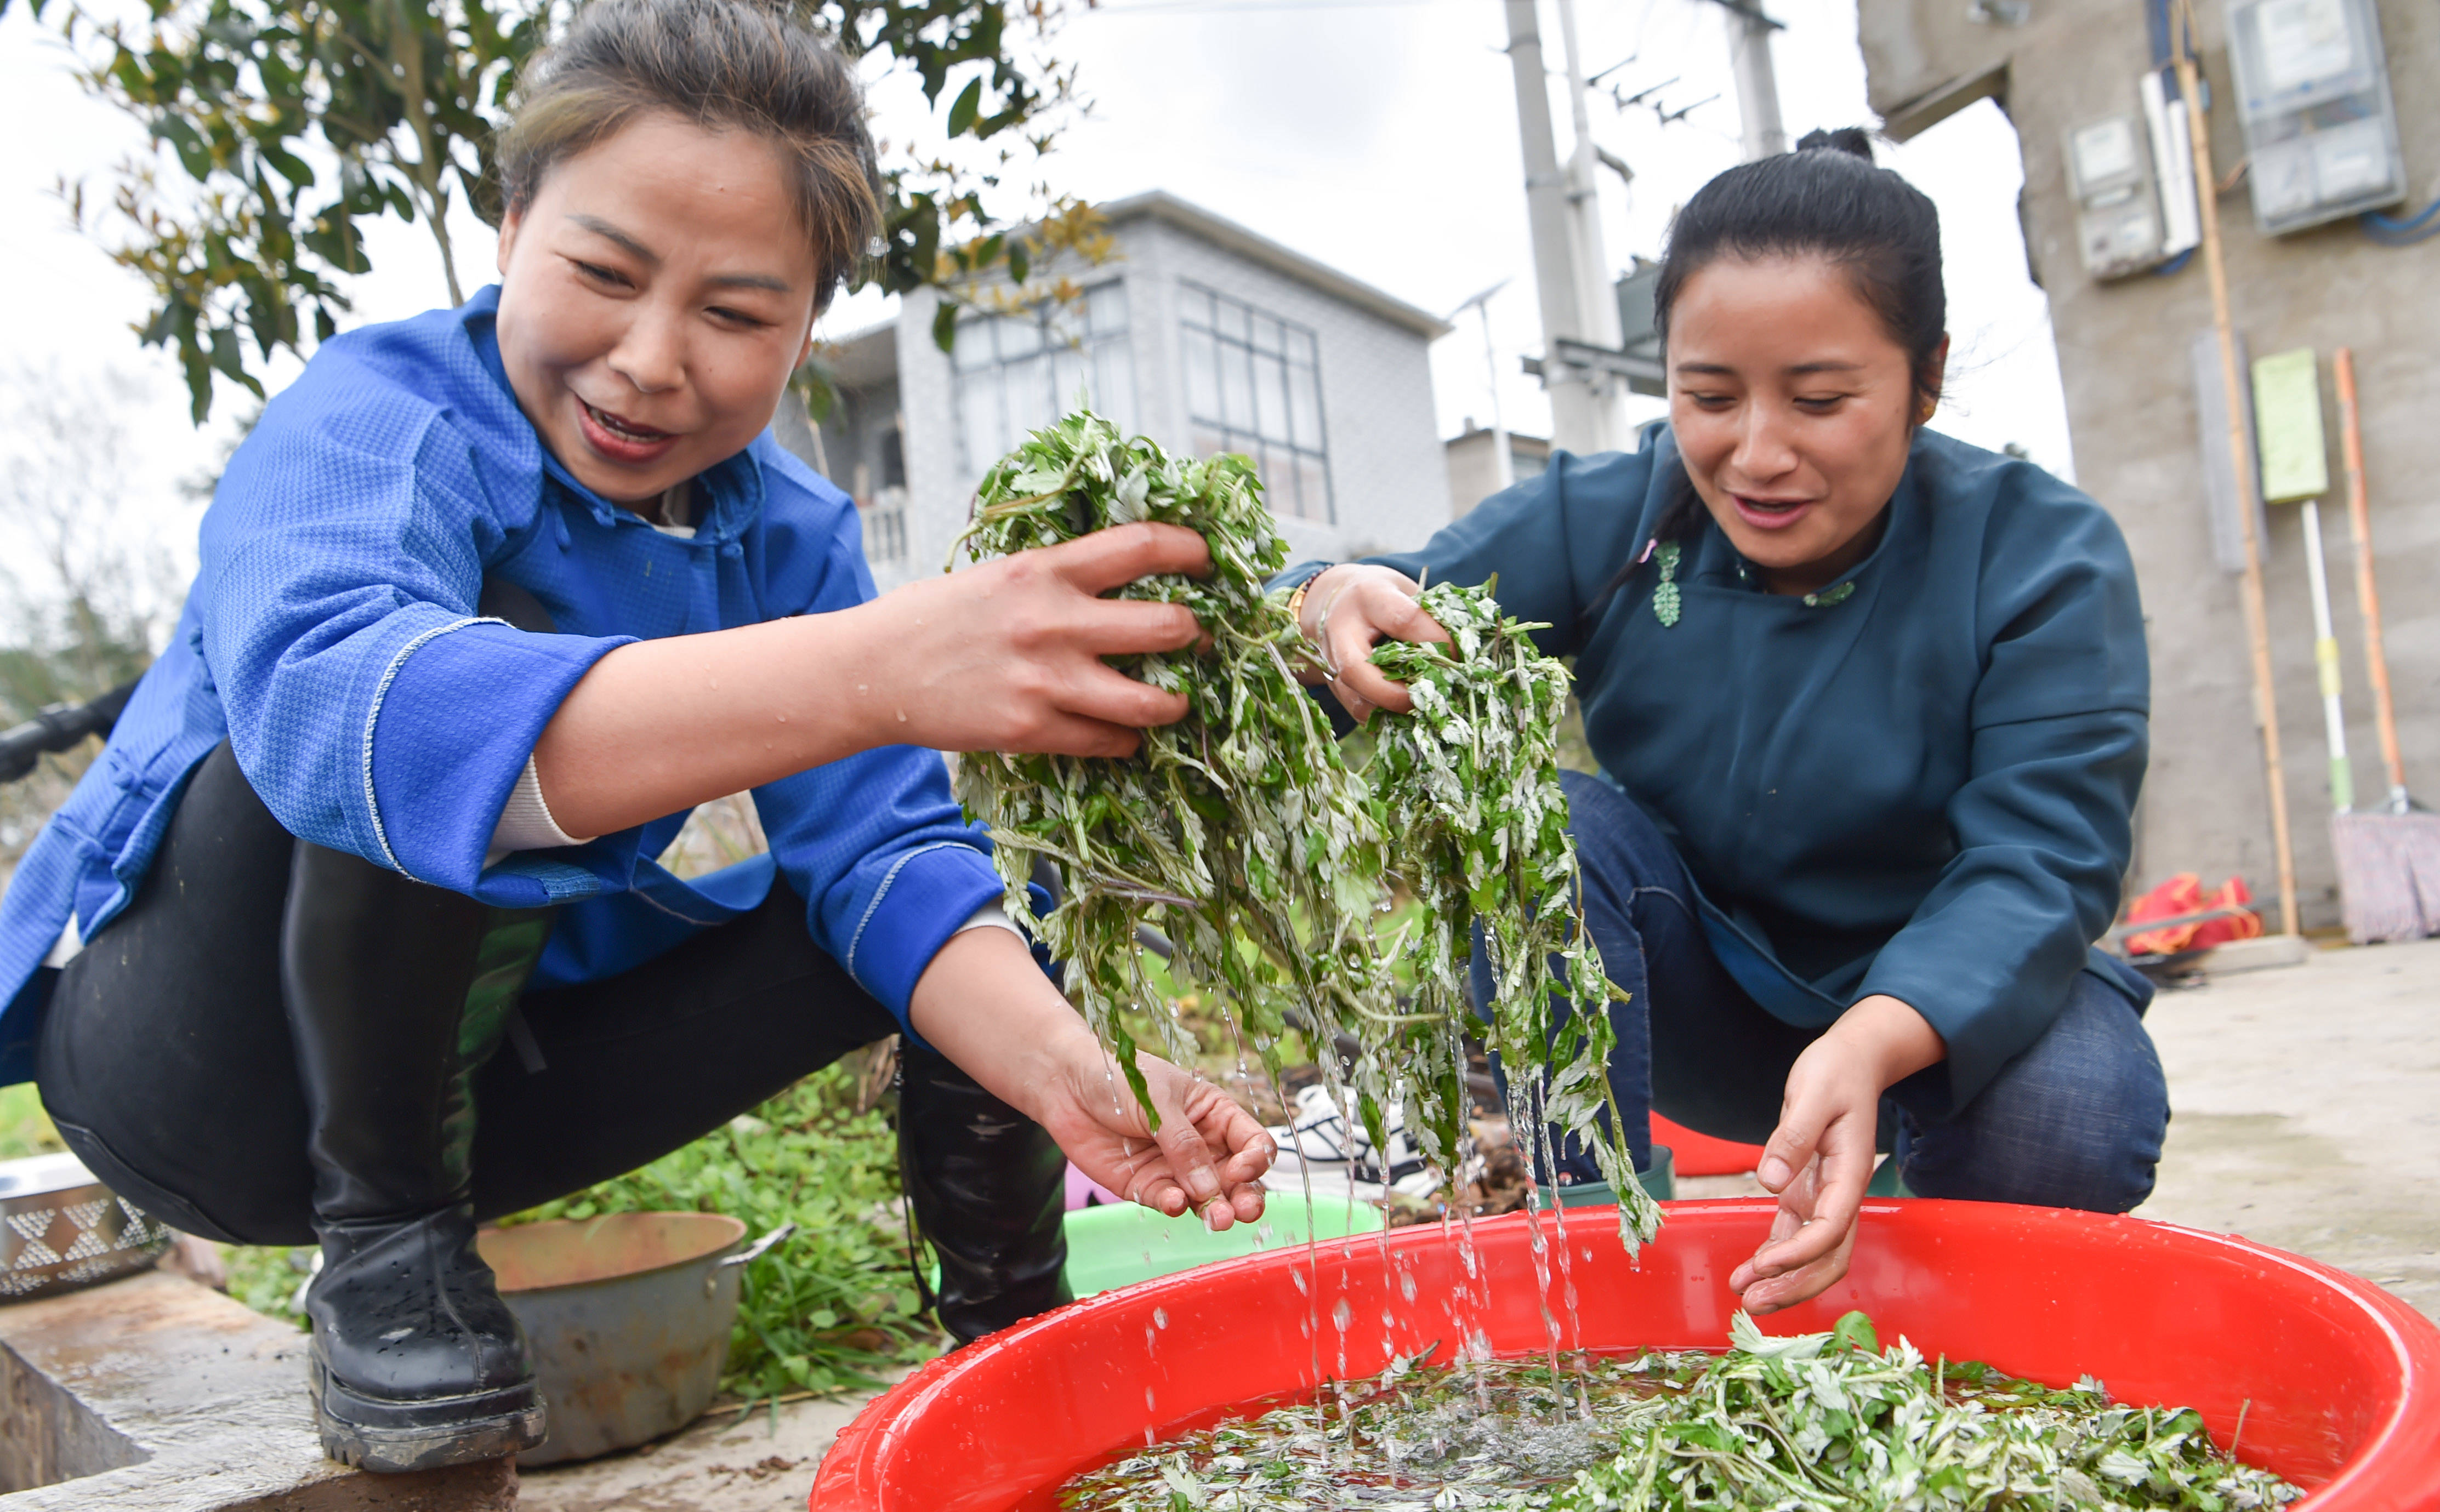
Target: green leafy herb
{"x": 1470, "y": 785}
{"x": 1825, "y": 1421}
{"x": 1243, "y": 834}
{"x": 1239, "y": 823}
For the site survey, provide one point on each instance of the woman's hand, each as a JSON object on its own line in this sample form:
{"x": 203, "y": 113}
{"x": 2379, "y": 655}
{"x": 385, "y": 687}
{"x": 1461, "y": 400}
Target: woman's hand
{"x": 1819, "y": 1158}
{"x": 1348, "y": 609}
{"x": 1008, "y": 655}
{"x": 1005, "y": 657}
{"x": 1208, "y": 1156}
{"x": 985, "y": 1004}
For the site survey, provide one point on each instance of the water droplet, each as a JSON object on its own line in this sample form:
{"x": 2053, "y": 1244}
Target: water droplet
{"x": 1407, "y": 1285}
{"x": 1147, "y": 1399}
{"x": 1160, "y": 1317}
{"x": 1341, "y": 1314}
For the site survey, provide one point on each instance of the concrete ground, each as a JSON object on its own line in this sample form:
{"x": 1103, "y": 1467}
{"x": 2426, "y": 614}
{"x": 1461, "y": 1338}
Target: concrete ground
{"x": 723, "y": 1464}
{"x": 2308, "y": 1116}
{"x": 2306, "y": 1111}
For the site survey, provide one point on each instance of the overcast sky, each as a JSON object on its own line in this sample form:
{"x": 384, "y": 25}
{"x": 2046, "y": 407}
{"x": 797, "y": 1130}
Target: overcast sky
{"x": 1378, "y": 136}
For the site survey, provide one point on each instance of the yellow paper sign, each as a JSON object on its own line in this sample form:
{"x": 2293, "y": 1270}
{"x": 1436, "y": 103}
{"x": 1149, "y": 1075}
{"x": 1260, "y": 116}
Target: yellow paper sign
{"x": 2287, "y": 427}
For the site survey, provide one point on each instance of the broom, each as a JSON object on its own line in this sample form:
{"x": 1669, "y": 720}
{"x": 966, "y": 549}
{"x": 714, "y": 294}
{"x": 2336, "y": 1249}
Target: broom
{"x": 2389, "y": 860}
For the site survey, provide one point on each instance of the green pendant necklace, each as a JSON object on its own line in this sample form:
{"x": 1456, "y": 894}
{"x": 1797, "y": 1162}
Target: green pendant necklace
{"x": 1666, "y": 603}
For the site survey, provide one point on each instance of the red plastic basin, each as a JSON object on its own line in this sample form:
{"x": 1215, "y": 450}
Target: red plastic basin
{"x": 1700, "y": 1154}
{"x": 2343, "y": 1379}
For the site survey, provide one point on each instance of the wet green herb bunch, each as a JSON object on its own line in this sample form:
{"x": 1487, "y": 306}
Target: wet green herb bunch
{"x": 1242, "y": 833}
{"x": 1470, "y": 784}
{"x": 1237, "y": 823}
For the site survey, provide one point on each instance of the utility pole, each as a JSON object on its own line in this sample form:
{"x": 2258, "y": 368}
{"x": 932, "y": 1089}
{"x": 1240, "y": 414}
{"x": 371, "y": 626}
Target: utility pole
{"x": 1505, "y": 465}
{"x": 1597, "y": 300}
{"x": 1579, "y": 395}
{"x": 1757, "y": 86}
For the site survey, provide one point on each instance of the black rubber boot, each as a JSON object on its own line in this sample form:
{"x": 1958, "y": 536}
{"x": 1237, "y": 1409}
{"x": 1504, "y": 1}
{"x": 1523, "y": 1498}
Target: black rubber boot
{"x": 988, "y": 1188}
{"x": 395, "y": 992}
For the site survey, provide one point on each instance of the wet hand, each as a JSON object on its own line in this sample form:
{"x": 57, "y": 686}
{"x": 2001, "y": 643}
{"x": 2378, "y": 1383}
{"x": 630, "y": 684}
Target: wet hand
{"x": 1208, "y": 1156}
{"x": 1348, "y": 609}
{"x": 1820, "y": 1159}
{"x": 1008, "y": 655}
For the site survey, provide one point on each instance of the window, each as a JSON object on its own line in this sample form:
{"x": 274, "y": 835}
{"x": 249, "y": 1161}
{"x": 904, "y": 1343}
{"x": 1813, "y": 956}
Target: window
{"x": 1253, "y": 384}
{"x": 1018, "y": 373}
{"x": 884, "y": 526}
{"x": 894, "y": 456}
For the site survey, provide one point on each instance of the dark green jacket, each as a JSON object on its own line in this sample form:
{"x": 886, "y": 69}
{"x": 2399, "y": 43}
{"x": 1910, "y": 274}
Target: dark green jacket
{"x": 1924, "y": 790}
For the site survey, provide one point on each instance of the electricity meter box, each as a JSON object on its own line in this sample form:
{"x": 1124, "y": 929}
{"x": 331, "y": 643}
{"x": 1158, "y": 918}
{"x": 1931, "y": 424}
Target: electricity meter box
{"x": 2118, "y": 220}
{"x": 2312, "y": 92}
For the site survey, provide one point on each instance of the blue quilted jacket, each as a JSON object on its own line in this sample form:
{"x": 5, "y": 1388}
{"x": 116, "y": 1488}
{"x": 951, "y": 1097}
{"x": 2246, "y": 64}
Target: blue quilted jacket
{"x": 332, "y": 638}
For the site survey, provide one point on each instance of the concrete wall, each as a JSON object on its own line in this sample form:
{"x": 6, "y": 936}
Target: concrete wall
{"x": 937, "y": 492}
{"x": 2131, "y": 408}
{"x": 1474, "y": 465}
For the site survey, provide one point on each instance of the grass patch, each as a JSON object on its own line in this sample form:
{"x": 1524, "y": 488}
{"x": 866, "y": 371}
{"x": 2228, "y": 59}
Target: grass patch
{"x": 25, "y": 1128}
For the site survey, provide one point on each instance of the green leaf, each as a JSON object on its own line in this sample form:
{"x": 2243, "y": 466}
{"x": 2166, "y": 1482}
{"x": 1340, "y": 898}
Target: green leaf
{"x": 961, "y": 114}
{"x": 1854, "y": 1331}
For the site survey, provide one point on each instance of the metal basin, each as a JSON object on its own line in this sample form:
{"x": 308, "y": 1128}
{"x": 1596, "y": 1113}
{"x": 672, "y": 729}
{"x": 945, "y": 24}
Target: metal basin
{"x": 629, "y": 1317}
{"x": 61, "y": 1229}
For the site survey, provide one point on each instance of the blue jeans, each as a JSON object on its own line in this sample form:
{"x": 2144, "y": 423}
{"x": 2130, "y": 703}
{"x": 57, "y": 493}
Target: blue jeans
{"x": 2076, "y": 1120}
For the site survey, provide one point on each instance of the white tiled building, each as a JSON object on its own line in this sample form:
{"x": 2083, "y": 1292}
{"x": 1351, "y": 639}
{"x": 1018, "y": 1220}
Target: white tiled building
{"x": 1197, "y": 334}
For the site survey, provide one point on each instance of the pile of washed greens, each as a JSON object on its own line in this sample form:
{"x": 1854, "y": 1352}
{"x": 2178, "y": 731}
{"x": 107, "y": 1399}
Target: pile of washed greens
{"x": 1821, "y": 1422}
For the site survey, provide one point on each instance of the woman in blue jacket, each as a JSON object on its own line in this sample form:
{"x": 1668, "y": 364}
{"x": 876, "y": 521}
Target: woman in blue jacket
{"x": 490, "y": 599}
{"x": 1872, "y": 707}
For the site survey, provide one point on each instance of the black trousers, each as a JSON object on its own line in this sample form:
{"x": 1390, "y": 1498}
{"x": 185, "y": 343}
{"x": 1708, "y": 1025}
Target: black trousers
{"x": 167, "y": 1063}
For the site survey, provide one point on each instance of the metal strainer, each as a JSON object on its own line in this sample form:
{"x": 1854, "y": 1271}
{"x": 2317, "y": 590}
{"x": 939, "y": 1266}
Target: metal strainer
{"x": 62, "y": 1229}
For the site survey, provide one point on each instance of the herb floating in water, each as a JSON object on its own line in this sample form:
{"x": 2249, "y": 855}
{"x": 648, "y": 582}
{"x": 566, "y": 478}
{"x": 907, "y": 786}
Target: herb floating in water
{"x": 1823, "y": 1422}
{"x": 1242, "y": 833}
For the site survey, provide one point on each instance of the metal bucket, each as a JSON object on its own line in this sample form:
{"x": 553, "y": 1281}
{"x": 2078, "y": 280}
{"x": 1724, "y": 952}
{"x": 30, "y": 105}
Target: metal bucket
{"x": 61, "y": 1229}
{"x": 629, "y": 1317}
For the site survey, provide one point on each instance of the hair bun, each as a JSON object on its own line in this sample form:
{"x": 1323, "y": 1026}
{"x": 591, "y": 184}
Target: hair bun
{"x": 1854, "y": 140}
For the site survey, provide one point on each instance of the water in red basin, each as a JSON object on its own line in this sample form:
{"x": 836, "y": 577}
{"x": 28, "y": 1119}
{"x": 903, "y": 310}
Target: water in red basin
{"x": 2343, "y": 1379}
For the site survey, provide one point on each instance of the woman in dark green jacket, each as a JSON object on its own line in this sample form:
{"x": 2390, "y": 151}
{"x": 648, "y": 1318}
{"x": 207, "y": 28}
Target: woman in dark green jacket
{"x": 1872, "y": 707}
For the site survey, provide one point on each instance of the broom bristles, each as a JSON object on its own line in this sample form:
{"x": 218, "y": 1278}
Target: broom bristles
{"x": 2389, "y": 875}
